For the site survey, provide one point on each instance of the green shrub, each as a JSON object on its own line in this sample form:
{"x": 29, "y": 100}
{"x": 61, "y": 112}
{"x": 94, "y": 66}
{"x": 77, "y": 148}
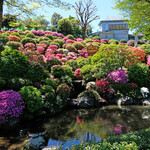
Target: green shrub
{"x": 123, "y": 41}
{"x": 13, "y": 64}
{"x": 13, "y": 44}
{"x": 69, "y": 36}
{"x": 88, "y": 40}
{"x": 141, "y": 42}
{"x": 4, "y": 39}
{"x": 113, "y": 41}
{"x": 52, "y": 62}
{"x": 57, "y": 71}
{"x": 2, "y": 83}
{"x": 31, "y": 35}
{"x": 68, "y": 71}
{"x": 27, "y": 40}
{"x": 110, "y": 51}
{"x": 49, "y": 36}
{"x": 50, "y": 82}
{"x": 61, "y": 42}
{"x": 146, "y": 48}
{"x": 32, "y": 98}
{"x": 67, "y": 80}
{"x": 96, "y": 38}
{"x": 17, "y": 83}
{"x": 49, "y": 93}
{"x": 71, "y": 48}
{"x": 78, "y": 45}
{"x": 73, "y": 64}
{"x": 139, "y": 74}
{"x": 36, "y": 73}
{"x": 44, "y": 39}
{"x": 55, "y": 43}
{"x": 16, "y": 34}
{"x": 46, "y": 42}
{"x": 86, "y": 72}
{"x": 83, "y": 61}
{"x": 90, "y": 93}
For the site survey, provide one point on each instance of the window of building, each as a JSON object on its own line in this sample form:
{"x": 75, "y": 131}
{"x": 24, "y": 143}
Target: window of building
{"x": 118, "y": 27}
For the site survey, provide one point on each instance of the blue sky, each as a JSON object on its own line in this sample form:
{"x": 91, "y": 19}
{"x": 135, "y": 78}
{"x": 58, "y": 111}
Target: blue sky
{"x": 105, "y": 9}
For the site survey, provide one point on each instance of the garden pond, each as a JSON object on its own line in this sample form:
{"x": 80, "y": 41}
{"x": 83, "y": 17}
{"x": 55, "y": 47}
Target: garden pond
{"x": 77, "y": 125}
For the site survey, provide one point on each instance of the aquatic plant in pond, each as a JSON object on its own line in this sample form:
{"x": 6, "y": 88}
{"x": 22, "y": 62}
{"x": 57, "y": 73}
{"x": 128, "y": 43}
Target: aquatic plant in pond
{"x": 11, "y": 105}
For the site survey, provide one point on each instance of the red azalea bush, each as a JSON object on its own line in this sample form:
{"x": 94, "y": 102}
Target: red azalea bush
{"x": 11, "y": 105}
{"x": 53, "y": 47}
{"x": 102, "y": 85}
{"x": 14, "y": 38}
{"x": 69, "y": 41}
{"x": 77, "y": 74}
{"x": 138, "y": 53}
{"x": 63, "y": 91}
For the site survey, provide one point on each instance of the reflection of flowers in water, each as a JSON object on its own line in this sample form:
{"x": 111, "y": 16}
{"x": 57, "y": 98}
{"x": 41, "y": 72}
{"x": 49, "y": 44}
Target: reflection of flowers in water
{"x": 79, "y": 120}
{"x": 119, "y": 129}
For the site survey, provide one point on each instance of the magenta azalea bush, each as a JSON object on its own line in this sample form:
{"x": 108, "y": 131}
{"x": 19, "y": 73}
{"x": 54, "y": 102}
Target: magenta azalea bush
{"x": 118, "y": 76}
{"x": 11, "y": 105}
{"x": 77, "y": 74}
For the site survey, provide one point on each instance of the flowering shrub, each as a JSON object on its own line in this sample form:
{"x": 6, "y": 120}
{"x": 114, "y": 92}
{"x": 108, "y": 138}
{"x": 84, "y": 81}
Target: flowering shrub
{"x": 63, "y": 90}
{"x": 79, "y": 39}
{"x": 77, "y": 74}
{"x": 69, "y": 41}
{"x": 123, "y": 41}
{"x": 71, "y": 48}
{"x": 60, "y": 42}
{"x": 78, "y": 45}
{"x": 102, "y": 85}
{"x": 13, "y": 44}
{"x": 31, "y": 35}
{"x": 97, "y": 41}
{"x": 11, "y": 105}
{"x": 134, "y": 85}
{"x": 104, "y": 40}
{"x": 14, "y": 38}
{"x": 146, "y": 48}
{"x": 148, "y": 60}
{"x": 138, "y": 53}
{"x": 53, "y": 47}
{"x": 40, "y": 49}
{"x": 118, "y": 76}
{"x": 32, "y": 98}
{"x": 130, "y": 43}
{"x": 28, "y": 40}
{"x": 69, "y": 36}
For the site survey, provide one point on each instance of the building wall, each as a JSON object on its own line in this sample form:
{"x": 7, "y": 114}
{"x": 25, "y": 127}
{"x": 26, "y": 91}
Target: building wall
{"x": 106, "y": 36}
{"x": 118, "y": 33}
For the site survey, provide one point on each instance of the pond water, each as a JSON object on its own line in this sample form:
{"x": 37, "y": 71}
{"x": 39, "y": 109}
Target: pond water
{"x": 74, "y": 126}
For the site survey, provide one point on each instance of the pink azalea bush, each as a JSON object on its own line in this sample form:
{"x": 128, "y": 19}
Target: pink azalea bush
{"x": 77, "y": 74}
{"x": 148, "y": 60}
{"x": 102, "y": 85}
{"x": 11, "y": 105}
{"x": 40, "y": 49}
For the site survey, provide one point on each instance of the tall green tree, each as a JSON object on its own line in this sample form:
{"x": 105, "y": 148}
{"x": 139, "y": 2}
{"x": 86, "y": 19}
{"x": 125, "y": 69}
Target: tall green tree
{"x": 29, "y": 6}
{"x": 137, "y": 13}
{"x": 10, "y": 21}
{"x": 86, "y": 13}
{"x": 65, "y": 26}
{"x": 54, "y": 21}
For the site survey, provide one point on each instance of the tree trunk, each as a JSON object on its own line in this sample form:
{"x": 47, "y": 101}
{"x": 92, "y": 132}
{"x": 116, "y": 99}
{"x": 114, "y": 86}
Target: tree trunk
{"x": 1, "y": 12}
{"x": 83, "y": 32}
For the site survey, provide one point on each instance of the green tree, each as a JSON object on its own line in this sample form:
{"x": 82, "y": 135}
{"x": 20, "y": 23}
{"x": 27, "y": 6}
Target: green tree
{"x": 28, "y": 7}
{"x": 86, "y": 13}
{"x": 54, "y": 21}
{"x": 65, "y": 26}
{"x": 77, "y": 31}
{"x": 10, "y": 21}
{"x": 138, "y": 14}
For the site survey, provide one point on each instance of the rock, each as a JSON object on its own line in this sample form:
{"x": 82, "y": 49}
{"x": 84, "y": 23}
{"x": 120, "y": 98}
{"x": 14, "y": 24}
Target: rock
{"x": 125, "y": 100}
{"x": 85, "y": 102}
{"x": 35, "y": 142}
{"x": 51, "y": 148}
{"x": 146, "y": 103}
{"x": 145, "y": 92}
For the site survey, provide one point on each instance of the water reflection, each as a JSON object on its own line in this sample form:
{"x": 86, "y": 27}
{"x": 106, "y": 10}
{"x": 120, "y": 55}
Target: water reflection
{"x": 75, "y": 126}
